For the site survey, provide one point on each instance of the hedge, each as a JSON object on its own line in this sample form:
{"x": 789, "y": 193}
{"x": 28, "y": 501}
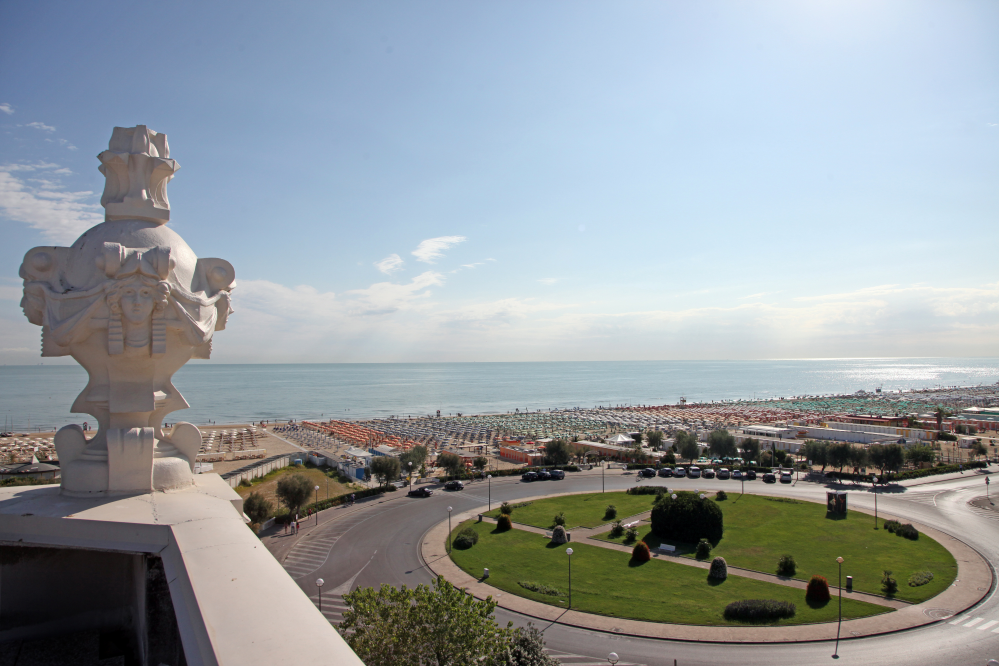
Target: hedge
{"x": 759, "y": 610}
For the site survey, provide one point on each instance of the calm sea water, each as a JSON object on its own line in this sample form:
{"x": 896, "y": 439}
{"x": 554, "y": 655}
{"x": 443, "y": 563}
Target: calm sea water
{"x": 38, "y": 397}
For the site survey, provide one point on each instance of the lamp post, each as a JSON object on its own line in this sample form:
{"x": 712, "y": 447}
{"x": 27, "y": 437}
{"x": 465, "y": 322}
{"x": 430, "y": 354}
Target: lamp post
{"x": 319, "y": 584}
{"x": 839, "y": 560}
{"x": 449, "y": 529}
{"x": 568, "y": 551}
{"x": 874, "y": 487}
{"x": 987, "y": 489}
{"x": 603, "y": 476}
{"x": 317, "y": 505}
{"x": 489, "y": 479}
{"x": 411, "y": 475}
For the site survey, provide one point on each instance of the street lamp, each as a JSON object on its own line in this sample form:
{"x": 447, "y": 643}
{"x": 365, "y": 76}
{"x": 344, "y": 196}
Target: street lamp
{"x": 489, "y": 478}
{"x": 319, "y": 584}
{"x": 612, "y": 658}
{"x": 449, "y": 529}
{"x": 317, "y": 505}
{"x": 568, "y": 551}
{"x": 874, "y": 487}
{"x": 839, "y": 560}
{"x": 410, "y": 475}
{"x": 603, "y": 476}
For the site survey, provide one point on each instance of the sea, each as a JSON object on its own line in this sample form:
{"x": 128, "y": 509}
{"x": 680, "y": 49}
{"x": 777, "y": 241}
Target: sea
{"x": 38, "y": 397}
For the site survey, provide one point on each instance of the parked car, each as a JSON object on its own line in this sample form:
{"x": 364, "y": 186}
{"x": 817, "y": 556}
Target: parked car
{"x": 723, "y": 473}
{"x": 454, "y": 485}
{"x": 557, "y": 474}
{"x": 529, "y": 476}
{"x": 737, "y": 474}
{"x": 785, "y": 477}
{"x": 694, "y": 472}
{"x": 648, "y": 473}
{"x": 769, "y": 478}
{"x": 679, "y": 472}
{"x": 708, "y": 473}
{"x": 751, "y": 475}
{"x": 421, "y": 492}
{"x": 544, "y": 475}
{"x": 666, "y": 472}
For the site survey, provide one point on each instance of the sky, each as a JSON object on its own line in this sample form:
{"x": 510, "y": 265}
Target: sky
{"x": 534, "y": 181}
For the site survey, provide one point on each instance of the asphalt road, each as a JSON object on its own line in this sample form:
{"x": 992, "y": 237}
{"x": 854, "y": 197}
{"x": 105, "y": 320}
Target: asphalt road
{"x": 380, "y": 543}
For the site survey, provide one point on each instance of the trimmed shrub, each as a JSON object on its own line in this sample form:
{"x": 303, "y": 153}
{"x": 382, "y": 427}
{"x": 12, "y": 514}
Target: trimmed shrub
{"x": 759, "y": 610}
{"x": 888, "y": 584}
{"x": 559, "y": 519}
{"x": 503, "y": 523}
{"x": 466, "y": 539}
{"x": 640, "y": 553}
{"x": 721, "y": 496}
{"x": 920, "y": 578}
{"x": 687, "y": 518}
{"x": 892, "y": 526}
{"x": 257, "y": 508}
{"x": 540, "y": 588}
{"x": 898, "y": 529}
{"x": 610, "y": 513}
{"x": 703, "y": 549}
{"x": 558, "y": 536}
{"x": 631, "y": 535}
{"x": 786, "y": 566}
{"x": 719, "y": 569}
{"x": 506, "y": 509}
{"x": 617, "y": 529}
{"x": 646, "y": 490}
{"x": 818, "y": 590}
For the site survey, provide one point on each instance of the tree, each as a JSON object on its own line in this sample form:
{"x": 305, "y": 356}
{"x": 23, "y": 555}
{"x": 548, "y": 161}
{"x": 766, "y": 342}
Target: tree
{"x": 480, "y": 463}
{"x": 294, "y": 490}
{"x": 687, "y": 518}
{"x": 977, "y": 449}
{"x": 526, "y": 648}
{"x": 416, "y": 455}
{"x": 920, "y": 454}
{"x": 941, "y": 414}
{"x": 721, "y": 443}
{"x": 385, "y": 468}
{"x": 878, "y": 457}
{"x": 655, "y": 439}
{"x": 894, "y": 457}
{"x": 257, "y": 508}
{"x": 425, "y": 626}
{"x": 687, "y": 446}
{"x": 451, "y": 463}
{"x": 817, "y": 452}
{"x": 637, "y": 436}
{"x": 858, "y": 457}
{"x": 557, "y": 452}
{"x": 751, "y": 449}
{"x": 839, "y": 454}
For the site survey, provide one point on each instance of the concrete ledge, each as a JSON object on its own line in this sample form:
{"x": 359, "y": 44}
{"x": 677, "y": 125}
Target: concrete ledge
{"x": 973, "y": 573}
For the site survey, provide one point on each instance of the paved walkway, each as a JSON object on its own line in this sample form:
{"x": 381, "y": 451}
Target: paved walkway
{"x": 974, "y": 579}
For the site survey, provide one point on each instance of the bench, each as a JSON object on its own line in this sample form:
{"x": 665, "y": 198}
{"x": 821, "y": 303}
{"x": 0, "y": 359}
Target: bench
{"x": 666, "y": 548}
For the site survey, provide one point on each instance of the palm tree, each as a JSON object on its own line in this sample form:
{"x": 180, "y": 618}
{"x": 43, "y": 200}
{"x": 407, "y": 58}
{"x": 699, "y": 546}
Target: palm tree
{"x": 941, "y": 414}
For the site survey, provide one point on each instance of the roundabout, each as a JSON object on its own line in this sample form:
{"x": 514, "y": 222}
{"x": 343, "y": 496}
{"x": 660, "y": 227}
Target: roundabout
{"x": 392, "y": 541}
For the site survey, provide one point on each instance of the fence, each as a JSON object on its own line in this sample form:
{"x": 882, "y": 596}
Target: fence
{"x": 259, "y": 469}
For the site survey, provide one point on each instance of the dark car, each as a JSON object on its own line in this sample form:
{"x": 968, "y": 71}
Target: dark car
{"x": 557, "y": 474}
{"x": 750, "y": 475}
{"x": 708, "y": 473}
{"x": 769, "y": 478}
{"x": 648, "y": 473}
{"x": 544, "y": 475}
{"x": 454, "y": 485}
{"x": 529, "y": 476}
{"x": 666, "y": 473}
{"x": 421, "y": 492}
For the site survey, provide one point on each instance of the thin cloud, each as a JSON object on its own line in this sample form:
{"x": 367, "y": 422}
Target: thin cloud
{"x": 549, "y": 281}
{"x": 478, "y": 263}
{"x": 6, "y": 108}
{"x": 432, "y": 249}
{"x": 42, "y": 126}
{"x": 390, "y": 264}
{"x": 42, "y": 204}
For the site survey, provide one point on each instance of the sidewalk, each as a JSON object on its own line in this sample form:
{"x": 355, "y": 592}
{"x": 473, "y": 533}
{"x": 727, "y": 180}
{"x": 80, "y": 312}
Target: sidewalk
{"x": 974, "y": 579}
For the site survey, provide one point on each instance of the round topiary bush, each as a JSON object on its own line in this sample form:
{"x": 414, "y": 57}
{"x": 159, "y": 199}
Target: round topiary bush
{"x": 559, "y": 518}
{"x": 818, "y": 590}
{"x": 503, "y": 523}
{"x": 617, "y": 529}
{"x": 719, "y": 569}
{"x": 466, "y": 539}
{"x": 686, "y": 518}
{"x": 786, "y": 566}
{"x": 610, "y": 513}
{"x": 506, "y": 509}
{"x": 721, "y": 495}
{"x": 558, "y": 536}
{"x": 703, "y": 549}
{"x": 640, "y": 553}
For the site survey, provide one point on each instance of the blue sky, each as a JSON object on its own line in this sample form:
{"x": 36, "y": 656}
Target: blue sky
{"x": 520, "y": 181}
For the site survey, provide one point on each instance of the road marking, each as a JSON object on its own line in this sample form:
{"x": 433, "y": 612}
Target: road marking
{"x": 975, "y": 621}
{"x": 990, "y": 623}
{"x": 961, "y": 619}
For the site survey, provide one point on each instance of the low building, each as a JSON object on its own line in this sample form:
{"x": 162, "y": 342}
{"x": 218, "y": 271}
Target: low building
{"x": 30, "y": 470}
{"x": 528, "y": 455}
{"x": 768, "y": 443}
{"x": 613, "y": 451}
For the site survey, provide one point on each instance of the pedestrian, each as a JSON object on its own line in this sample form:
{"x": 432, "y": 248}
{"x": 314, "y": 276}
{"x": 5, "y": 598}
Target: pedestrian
{"x": 286, "y": 529}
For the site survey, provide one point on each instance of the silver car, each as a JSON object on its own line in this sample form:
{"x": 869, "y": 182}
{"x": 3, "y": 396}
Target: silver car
{"x": 679, "y": 472}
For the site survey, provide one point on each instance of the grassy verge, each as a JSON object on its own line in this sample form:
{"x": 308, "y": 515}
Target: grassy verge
{"x": 267, "y": 485}
{"x": 758, "y": 530}
{"x": 607, "y": 582}
{"x": 580, "y": 510}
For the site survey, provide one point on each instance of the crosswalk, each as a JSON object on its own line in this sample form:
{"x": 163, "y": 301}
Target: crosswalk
{"x": 921, "y": 498}
{"x": 979, "y": 511}
{"x": 977, "y": 623}
{"x": 312, "y": 550}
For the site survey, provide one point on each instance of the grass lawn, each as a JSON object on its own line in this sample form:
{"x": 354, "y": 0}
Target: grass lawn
{"x": 267, "y": 485}
{"x": 580, "y": 510}
{"x": 758, "y": 530}
{"x": 605, "y": 582}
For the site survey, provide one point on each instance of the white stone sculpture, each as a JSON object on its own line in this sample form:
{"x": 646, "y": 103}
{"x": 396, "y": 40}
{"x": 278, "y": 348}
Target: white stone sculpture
{"x": 131, "y": 303}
